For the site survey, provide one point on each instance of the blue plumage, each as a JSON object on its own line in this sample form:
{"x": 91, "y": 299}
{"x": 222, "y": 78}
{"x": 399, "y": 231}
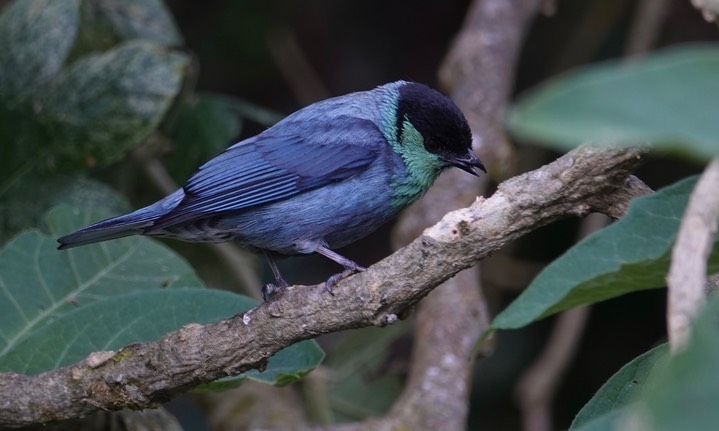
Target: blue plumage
{"x": 322, "y": 178}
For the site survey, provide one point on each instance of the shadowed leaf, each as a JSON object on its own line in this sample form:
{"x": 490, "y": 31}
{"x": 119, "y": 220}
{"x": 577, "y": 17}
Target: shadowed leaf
{"x": 606, "y": 406}
{"x": 37, "y": 36}
{"x": 107, "y": 22}
{"x": 667, "y": 99}
{"x": 39, "y": 283}
{"x": 105, "y": 104}
{"x": 630, "y": 255}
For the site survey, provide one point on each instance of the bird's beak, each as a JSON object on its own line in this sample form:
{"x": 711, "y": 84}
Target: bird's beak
{"x": 468, "y": 163}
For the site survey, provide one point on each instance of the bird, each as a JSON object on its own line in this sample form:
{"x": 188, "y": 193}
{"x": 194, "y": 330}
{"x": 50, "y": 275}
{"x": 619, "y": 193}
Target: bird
{"x": 317, "y": 180}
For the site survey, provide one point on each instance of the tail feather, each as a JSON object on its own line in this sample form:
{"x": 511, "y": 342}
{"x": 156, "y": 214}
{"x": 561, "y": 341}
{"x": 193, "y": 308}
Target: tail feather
{"x": 135, "y": 223}
{"x": 117, "y": 227}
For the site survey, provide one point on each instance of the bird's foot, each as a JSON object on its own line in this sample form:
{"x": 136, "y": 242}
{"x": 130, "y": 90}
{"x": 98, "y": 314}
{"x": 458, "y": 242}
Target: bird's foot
{"x": 330, "y": 283}
{"x": 270, "y": 290}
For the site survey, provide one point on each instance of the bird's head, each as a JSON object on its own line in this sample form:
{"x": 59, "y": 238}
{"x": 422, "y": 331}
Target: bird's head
{"x": 427, "y": 119}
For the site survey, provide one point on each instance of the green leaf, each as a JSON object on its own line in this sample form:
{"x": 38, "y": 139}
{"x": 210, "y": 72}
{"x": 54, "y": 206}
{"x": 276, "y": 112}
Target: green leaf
{"x": 682, "y": 389}
{"x": 290, "y": 364}
{"x": 630, "y": 255}
{"x": 38, "y": 283}
{"x": 120, "y": 20}
{"x": 206, "y": 125}
{"x": 362, "y": 385}
{"x": 144, "y": 316}
{"x": 607, "y": 422}
{"x": 36, "y": 39}
{"x": 98, "y": 107}
{"x": 105, "y": 104}
{"x": 672, "y": 392}
{"x": 606, "y": 406}
{"x": 17, "y": 212}
{"x": 667, "y": 99}
{"x": 56, "y": 307}
{"x": 85, "y": 194}
{"x": 37, "y": 36}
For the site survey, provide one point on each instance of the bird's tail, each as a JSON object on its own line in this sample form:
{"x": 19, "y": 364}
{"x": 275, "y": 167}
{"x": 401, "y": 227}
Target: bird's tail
{"x": 134, "y": 223}
{"x": 116, "y": 227}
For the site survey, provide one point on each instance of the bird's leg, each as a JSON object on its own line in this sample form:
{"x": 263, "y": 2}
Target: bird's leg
{"x": 270, "y": 289}
{"x": 350, "y": 267}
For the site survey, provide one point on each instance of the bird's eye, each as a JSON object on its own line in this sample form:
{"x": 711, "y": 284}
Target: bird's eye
{"x": 432, "y": 145}
{"x": 429, "y": 144}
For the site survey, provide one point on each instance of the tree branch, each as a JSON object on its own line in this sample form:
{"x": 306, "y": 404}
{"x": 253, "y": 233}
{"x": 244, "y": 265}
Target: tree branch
{"x": 646, "y": 26}
{"x": 451, "y": 319}
{"x": 687, "y": 279}
{"x": 143, "y": 375}
{"x": 538, "y": 385}
{"x": 708, "y": 8}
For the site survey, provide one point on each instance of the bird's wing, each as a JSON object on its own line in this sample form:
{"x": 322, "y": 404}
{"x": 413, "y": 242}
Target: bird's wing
{"x": 276, "y": 165}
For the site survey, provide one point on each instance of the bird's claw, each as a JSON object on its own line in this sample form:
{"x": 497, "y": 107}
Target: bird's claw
{"x": 358, "y": 268}
{"x": 330, "y": 283}
{"x": 270, "y": 290}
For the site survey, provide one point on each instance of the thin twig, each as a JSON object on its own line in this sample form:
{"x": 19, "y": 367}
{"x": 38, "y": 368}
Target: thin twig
{"x": 537, "y": 387}
{"x": 296, "y": 68}
{"x": 646, "y": 26}
{"x": 687, "y": 279}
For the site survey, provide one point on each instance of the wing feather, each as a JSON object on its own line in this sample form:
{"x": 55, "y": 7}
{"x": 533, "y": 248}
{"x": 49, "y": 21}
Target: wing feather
{"x": 285, "y": 160}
